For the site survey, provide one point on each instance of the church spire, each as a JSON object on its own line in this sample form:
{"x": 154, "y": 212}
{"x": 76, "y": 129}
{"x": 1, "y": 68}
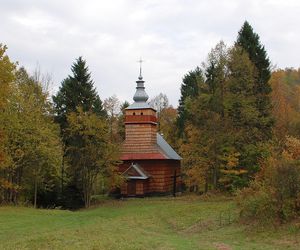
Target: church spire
{"x": 140, "y": 94}
{"x": 140, "y": 76}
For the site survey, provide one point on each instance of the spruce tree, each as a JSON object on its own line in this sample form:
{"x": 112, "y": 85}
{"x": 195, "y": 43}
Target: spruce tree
{"x": 76, "y": 93}
{"x": 250, "y": 42}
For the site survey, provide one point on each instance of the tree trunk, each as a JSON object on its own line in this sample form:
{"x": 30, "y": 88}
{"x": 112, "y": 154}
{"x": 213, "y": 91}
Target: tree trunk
{"x": 35, "y": 192}
{"x": 206, "y": 183}
{"x": 215, "y": 176}
{"x": 63, "y": 168}
{"x": 62, "y": 174}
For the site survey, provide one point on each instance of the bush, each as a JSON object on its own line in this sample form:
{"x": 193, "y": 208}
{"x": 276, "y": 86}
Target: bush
{"x": 274, "y": 195}
{"x": 256, "y": 203}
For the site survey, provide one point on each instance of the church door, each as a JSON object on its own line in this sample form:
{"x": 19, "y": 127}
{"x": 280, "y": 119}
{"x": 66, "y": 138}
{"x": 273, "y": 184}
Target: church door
{"x": 131, "y": 188}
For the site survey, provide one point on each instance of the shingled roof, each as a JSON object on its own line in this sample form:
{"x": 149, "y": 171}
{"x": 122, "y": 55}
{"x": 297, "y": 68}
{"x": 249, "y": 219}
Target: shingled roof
{"x": 160, "y": 150}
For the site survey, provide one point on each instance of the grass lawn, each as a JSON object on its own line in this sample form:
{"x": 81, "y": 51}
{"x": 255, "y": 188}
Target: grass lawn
{"x": 151, "y": 223}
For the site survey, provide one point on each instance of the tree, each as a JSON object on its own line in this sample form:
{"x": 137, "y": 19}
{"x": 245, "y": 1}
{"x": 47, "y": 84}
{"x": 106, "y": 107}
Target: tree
{"x": 159, "y": 102}
{"x": 32, "y": 144}
{"x": 286, "y": 103}
{"x": 121, "y": 120}
{"x": 250, "y": 42}
{"x": 221, "y": 126}
{"x": 7, "y": 69}
{"x": 94, "y": 153}
{"x": 207, "y": 129}
{"x": 244, "y": 114}
{"x": 216, "y": 72}
{"x": 77, "y": 90}
{"x": 274, "y": 194}
{"x": 189, "y": 89}
{"x": 112, "y": 108}
{"x": 167, "y": 125}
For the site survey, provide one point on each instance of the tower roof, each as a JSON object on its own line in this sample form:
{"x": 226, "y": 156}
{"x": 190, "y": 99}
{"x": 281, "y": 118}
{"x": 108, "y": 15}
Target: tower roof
{"x": 140, "y": 97}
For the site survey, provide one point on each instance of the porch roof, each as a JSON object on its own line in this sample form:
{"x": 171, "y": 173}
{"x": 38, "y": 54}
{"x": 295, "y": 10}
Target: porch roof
{"x": 135, "y": 172}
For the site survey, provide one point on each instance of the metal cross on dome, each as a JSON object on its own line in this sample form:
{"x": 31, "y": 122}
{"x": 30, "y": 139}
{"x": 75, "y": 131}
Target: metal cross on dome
{"x": 140, "y": 62}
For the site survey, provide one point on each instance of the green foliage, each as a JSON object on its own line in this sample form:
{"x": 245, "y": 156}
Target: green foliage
{"x": 285, "y": 102}
{"x": 112, "y": 107}
{"x": 94, "y": 154}
{"x": 32, "y": 142}
{"x": 228, "y": 118}
{"x": 77, "y": 90}
{"x": 7, "y": 69}
{"x": 250, "y": 42}
{"x": 121, "y": 121}
{"x": 76, "y": 93}
{"x": 167, "y": 125}
{"x": 256, "y": 204}
{"x": 189, "y": 89}
{"x": 274, "y": 196}
{"x": 222, "y": 122}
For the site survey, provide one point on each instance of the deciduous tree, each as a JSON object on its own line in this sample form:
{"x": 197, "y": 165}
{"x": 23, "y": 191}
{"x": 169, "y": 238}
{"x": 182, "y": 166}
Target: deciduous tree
{"x": 94, "y": 154}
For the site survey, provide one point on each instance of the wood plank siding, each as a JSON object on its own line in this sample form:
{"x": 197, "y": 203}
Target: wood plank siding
{"x": 161, "y": 174}
{"x": 148, "y": 161}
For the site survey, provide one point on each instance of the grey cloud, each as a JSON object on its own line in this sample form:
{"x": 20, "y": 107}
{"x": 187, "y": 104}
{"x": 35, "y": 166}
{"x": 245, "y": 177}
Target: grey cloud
{"x": 173, "y": 36}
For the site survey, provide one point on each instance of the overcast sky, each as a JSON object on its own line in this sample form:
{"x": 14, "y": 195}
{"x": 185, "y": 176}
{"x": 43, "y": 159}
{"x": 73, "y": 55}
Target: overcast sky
{"x": 172, "y": 36}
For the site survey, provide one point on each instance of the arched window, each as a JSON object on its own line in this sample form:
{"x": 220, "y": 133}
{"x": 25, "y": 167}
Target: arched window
{"x": 133, "y": 113}
{"x": 142, "y": 113}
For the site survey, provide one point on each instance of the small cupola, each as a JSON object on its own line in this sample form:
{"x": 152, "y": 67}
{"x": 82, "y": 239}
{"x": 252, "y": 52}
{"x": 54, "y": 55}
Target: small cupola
{"x": 140, "y": 97}
{"x": 140, "y": 94}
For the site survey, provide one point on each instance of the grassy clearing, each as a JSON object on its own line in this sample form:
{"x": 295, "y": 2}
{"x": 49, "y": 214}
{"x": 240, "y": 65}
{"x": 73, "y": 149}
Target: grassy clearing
{"x": 150, "y": 223}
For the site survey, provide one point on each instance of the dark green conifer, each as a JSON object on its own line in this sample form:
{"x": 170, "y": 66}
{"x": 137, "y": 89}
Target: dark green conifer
{"x": 77, "y": 90}
{"x": 189, "y": 89}
{"x": 250, "y": 42}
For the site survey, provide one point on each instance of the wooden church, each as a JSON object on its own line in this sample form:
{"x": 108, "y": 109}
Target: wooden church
{"x": 149, "y": 164}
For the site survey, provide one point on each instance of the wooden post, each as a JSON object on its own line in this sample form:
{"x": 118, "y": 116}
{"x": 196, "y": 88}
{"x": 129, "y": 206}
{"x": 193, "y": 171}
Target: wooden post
{"x": 174, "y": 184}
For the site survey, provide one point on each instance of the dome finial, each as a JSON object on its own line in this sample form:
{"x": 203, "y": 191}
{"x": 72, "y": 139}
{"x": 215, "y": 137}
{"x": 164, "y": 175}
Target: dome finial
{"x": 140, "y": 61}
{"x": 140, "y": 94}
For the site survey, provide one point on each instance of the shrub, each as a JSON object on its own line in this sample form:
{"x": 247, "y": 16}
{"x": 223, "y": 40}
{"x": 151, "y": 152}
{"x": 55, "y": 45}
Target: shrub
{"x": 274, "y": 195}
{"x": 256, "y": 203}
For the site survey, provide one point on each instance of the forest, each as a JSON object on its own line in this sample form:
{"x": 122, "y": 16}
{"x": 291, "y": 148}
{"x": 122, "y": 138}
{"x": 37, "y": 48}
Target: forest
{"x": 237, "y": 128}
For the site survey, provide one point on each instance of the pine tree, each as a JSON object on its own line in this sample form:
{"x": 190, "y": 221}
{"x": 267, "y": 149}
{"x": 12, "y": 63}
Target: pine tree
{"x": 250, "y": 42}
